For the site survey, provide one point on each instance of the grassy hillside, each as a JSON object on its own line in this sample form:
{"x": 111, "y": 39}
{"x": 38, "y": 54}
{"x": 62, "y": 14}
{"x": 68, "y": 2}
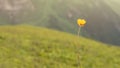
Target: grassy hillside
{"x": 32, "y": 47}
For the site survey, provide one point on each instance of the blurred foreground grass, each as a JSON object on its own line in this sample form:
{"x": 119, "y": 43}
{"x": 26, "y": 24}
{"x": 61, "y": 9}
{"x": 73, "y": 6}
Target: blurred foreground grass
{"x": 33, "y": 47}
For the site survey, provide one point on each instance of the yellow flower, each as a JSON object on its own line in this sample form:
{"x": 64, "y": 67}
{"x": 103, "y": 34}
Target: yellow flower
{"x": 81, "y": 22}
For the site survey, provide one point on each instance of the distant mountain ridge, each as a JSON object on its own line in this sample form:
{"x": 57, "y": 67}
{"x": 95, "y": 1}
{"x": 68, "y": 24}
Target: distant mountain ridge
{"x": 102, "y": 19}
{"x": 13, "y": 9}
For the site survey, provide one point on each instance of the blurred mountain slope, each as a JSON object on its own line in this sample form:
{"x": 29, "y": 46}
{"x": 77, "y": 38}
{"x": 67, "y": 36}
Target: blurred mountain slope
{"x": 62, "y": 15}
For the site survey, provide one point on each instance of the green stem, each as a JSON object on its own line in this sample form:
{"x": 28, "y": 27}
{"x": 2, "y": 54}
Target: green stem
{"x": 78, "y": 56}
{"x": 79, "y": 31}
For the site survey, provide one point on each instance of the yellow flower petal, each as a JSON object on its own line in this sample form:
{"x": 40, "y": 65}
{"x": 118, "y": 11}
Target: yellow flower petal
{"x": 81, "y": 22}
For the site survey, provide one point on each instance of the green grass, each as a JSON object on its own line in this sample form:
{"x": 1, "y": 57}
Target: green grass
{"x": 33, "y": 47}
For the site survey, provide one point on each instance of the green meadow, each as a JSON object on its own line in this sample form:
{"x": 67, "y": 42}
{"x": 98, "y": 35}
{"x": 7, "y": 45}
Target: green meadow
{"x": 38, "y": 47}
